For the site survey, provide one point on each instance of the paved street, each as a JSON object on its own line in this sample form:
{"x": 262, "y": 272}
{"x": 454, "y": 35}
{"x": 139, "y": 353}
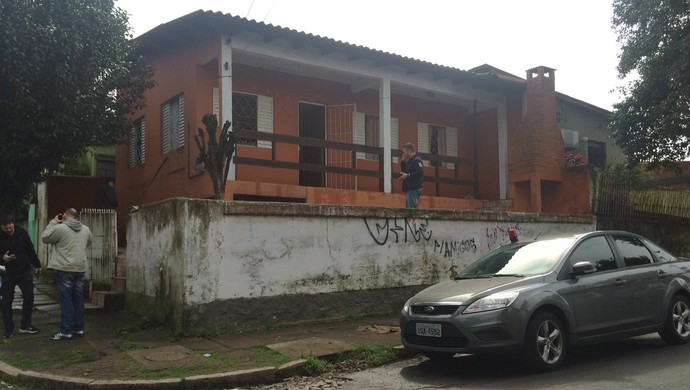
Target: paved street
{"x": 640, "y": 363}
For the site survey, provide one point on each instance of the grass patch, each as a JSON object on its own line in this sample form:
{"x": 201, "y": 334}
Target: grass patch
{"x": 130, "y": 346}
{"x": 23, "y": 362}
{"x": 269, "y": 356}
{"x": 314, "y": 366}
{"x": 372, "y": 355}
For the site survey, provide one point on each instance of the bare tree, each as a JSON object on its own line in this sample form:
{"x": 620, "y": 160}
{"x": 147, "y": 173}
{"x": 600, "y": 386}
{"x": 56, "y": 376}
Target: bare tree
{"x": 216, "y": 152}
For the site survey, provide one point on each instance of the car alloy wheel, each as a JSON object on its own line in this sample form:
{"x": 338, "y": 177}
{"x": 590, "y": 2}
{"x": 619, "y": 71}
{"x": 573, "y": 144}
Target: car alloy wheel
{"x": 545, "y": 342}
{"x": 677, "y": 327}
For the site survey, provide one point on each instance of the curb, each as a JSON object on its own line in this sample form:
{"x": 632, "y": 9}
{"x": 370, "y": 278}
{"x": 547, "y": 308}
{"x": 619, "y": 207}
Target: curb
{"x": 256, "y": 376}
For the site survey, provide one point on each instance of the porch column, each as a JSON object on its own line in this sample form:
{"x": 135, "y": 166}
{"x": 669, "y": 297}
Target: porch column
{"x": 502, "y": 117}
{"x": 225, "y": 71}
{"x": 385, "y": 130}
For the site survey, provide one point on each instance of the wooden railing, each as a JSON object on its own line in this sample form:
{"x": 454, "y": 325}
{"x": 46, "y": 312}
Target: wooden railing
{"x": 353, "y": 149}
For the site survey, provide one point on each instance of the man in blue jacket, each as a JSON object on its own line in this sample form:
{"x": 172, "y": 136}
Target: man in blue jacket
{"x": 18, "y": 257}
{"x": 412, "y": 175}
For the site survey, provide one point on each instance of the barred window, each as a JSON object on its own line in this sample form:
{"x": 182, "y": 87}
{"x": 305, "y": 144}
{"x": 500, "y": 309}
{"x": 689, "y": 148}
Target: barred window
{"x": 245, "y": 116}
{"x": 437, "y": 141}
{"x": 136, "y": 143}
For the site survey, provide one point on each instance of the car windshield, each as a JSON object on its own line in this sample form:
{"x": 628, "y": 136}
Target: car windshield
{"x": 522, "y": 259}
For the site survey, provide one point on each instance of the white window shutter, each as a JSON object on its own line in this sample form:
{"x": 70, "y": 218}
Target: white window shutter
{"x": 182, "y": 127}
{"x": 264, "y": 118}
{"x": 166, "y": 128}
{"x": 358, "y": 131}
{"x": 143, "y": 141}
{"x": 394, "y": 138}
{"x": 216, "y": 104}
{"x": 423, "y": 139}
{"x": 452, "y": 147}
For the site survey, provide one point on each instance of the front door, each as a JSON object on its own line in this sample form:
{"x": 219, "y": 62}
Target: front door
{"x": 312, "y": 124}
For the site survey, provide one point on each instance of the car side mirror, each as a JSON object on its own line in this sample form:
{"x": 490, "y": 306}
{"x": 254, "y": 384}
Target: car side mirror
{"x": 584, "y": 268}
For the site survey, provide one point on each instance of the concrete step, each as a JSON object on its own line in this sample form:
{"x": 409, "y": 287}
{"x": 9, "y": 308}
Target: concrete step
{"x": 107, "y": 300}
{"x": 118, "y": 284}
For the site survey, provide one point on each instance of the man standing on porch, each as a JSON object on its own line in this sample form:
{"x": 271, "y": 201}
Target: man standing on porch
{"x": 412, "y": 175}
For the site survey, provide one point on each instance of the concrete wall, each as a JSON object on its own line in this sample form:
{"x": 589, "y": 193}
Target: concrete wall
{"x": 241, "y": 264}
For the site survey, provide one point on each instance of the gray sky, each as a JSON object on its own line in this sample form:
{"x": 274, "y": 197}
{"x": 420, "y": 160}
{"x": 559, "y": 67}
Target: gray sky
{"x": 572, "y": 36}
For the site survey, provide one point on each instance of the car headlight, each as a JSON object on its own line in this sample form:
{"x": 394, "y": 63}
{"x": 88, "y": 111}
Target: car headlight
{"x": 406, "y": 307}
{"x": 492, "y": 302}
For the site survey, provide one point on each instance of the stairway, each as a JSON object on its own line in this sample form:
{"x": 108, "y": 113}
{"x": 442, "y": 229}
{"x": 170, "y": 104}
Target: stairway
{"x": 113, "y": 299}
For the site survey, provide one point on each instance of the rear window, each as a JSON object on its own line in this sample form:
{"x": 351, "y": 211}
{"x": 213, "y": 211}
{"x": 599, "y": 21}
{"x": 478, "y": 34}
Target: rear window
{"x": 633, "y": 251}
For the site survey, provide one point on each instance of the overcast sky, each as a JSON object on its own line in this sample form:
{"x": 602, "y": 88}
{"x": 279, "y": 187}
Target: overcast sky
{"x": 572, "y": 36}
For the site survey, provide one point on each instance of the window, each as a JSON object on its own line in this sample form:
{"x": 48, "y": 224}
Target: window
{"x": 136, "y": 144}
{"x": 173, "y": 124}
{"x": 366, "y": 130}
{"x": 633, "y": 251}
{"x": 597, "y": 251}
{"x": 244, "y": 115}
{"x": 437, "y": 140}
{"x": 660, "y": 253}
{"x": 371, "y": 134}
{"x": 105, "y": 165}
{"x": 596, "y": 153}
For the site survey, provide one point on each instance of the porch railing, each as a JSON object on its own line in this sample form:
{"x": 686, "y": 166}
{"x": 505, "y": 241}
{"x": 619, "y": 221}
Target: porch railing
{"x": 355, "y": 169}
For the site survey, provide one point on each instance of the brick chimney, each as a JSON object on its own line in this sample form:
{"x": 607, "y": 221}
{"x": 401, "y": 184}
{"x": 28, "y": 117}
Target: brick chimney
{"x": 536, "y": 148}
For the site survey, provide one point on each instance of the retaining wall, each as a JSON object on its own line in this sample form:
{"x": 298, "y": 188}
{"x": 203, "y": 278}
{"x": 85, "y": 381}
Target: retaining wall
{"x": 207, "y": 263}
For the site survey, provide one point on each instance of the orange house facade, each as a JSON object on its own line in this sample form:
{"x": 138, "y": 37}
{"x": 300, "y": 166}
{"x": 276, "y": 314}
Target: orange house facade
{"x": 321, "y": 121}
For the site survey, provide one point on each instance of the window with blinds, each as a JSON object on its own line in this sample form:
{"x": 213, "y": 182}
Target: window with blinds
{"x": 173, "y": 124}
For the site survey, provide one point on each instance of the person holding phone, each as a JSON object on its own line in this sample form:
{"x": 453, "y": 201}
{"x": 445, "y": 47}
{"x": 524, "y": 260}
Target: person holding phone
{"x": 18, "y": 258}
{"x": 70, "y": 239}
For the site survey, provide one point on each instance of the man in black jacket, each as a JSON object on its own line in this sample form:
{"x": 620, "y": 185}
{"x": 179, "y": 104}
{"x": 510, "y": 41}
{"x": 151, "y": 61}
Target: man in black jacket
{"x": 412, "y": 175}
{"x": 18, "y": 256}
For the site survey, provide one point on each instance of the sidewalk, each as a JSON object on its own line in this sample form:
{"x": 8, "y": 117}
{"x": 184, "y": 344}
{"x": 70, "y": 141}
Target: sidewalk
{"x": 119, "y": 352}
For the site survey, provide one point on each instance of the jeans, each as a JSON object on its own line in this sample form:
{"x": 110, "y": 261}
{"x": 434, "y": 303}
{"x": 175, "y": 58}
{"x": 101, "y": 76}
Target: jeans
{"x": 71, "y": 286}
{"x": 412, "y": 198}
{"x": 25, "y": 281}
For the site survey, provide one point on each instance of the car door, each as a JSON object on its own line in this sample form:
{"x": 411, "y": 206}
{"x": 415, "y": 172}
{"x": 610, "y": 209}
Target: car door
{"x": 601, "y": 301}
{"x": 646, "y": 276}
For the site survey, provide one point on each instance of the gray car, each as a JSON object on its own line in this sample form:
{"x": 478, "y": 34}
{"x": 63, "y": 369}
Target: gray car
{"x": 536, "y": 299}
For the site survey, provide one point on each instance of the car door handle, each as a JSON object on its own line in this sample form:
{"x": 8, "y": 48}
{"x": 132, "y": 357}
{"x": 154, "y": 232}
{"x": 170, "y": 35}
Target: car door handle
{"x": 660, "y": 273}
{"x": 618, "y": 282}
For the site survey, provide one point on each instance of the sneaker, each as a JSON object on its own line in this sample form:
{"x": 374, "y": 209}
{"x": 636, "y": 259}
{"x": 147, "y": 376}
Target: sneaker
{"x": 60, "y": 336}
{"x": 79, "y": 333}
{"x": 29, "y": 329}
{"x": 8, "y": 335}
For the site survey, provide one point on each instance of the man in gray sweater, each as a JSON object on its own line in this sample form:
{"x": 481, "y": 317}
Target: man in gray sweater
{"x": 71, "y": 239}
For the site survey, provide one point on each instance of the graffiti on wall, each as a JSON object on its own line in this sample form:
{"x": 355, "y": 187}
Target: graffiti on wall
{"x": 455, "y": 248}
{"x": 499, "y": 235}
{"x": 398, "y": 230}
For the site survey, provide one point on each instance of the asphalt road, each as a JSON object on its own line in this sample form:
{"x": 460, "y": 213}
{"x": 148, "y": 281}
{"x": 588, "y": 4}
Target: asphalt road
{"x": 640, "y": 363}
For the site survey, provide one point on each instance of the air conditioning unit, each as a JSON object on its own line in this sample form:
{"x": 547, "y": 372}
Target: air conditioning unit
{"x": 570, "y": 138}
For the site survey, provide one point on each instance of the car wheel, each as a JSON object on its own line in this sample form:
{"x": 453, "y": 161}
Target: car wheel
{"x": 677, "y": 326}
{"x": 439, "y": 356}
{"x": 545, "y": 343}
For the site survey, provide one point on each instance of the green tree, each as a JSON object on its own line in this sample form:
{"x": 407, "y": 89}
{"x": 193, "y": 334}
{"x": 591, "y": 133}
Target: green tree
{"x": 69, "y": 74}
{"x": 651, "y": 124}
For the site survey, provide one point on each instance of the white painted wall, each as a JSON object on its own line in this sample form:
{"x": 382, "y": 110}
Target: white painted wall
{"x": 191, "y": 251}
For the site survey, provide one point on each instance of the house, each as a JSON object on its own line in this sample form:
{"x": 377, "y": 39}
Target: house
{"x": 322, "y": 121}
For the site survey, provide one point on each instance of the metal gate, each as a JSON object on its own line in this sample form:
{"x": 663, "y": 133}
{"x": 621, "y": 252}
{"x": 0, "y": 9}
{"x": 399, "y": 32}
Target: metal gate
{"x": 101, "y": 257}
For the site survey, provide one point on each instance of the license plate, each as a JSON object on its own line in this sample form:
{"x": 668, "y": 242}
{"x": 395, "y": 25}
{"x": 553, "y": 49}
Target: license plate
{"x": 428, "y": 330}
